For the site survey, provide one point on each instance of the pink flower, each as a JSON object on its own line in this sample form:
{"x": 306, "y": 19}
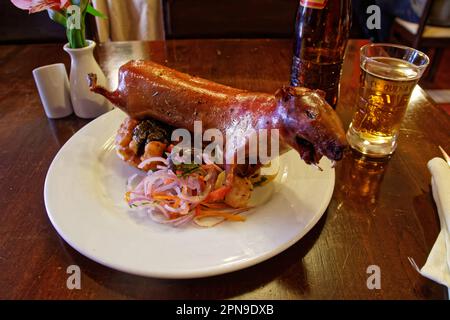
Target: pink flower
{"x": 40, "y": 5}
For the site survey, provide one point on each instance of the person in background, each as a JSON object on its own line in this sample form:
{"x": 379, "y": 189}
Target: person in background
{"x": 409, "y": 10}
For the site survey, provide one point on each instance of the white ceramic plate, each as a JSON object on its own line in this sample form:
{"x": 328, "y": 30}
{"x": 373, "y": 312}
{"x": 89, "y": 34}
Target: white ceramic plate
{"x": 84, "y": 197}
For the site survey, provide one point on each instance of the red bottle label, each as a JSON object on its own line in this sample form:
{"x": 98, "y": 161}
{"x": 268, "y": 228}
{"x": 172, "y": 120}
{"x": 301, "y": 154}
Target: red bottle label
{"x": 315, "y": 4}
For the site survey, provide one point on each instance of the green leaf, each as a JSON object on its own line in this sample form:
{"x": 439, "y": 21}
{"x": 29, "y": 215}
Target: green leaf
{"x": 83, "y": 4}
{"x": 77, "y": 37}
{"x": 91, "y": 10}
{"x": 57, "y": 17}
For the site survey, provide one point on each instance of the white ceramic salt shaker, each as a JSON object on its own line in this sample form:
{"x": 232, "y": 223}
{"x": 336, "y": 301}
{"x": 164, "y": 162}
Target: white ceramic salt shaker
{"x": 54, "y": 90}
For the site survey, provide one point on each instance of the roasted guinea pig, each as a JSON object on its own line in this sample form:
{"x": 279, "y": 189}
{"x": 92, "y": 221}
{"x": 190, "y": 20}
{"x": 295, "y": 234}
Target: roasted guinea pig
{"x": 170, "y": 99}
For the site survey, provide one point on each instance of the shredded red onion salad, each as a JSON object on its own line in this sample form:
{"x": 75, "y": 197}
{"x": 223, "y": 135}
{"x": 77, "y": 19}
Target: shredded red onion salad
{"x": 176, "y": 197}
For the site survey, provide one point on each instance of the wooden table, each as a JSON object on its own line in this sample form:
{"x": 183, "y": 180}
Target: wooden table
{"x": 381, "y": 212}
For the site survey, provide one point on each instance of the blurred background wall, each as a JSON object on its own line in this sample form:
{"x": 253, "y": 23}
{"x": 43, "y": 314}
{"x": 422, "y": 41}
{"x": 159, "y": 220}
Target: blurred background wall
{"x": 424, "y": 24}
{"x": 171, "y": 19}
{"x": 18, "y": 26}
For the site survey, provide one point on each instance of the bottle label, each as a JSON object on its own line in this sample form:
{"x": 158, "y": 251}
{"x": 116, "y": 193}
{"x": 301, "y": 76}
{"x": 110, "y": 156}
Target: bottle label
{"x": 315, "y": 4}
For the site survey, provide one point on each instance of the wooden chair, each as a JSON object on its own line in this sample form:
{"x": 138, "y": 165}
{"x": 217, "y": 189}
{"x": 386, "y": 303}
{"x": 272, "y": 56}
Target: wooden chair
{"x": 424, "y": 37}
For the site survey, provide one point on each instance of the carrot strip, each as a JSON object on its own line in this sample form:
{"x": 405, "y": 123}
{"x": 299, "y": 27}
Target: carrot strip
{"x": 215, "y": 205}
{"x": 164, "y": 197}
{"x": 170, "y": 148}
{"x": 218, "y": 194}
{"x": 228, "y": 216}
{"x": 197, "y": 210}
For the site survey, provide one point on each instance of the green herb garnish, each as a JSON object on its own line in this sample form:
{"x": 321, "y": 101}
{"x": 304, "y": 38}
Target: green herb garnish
{"x": 260, "y": 182}
{"x": 185, "y": 169}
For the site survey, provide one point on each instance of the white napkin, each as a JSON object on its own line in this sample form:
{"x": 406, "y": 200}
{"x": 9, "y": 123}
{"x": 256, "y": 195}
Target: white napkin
{"x": 437, "y": 267}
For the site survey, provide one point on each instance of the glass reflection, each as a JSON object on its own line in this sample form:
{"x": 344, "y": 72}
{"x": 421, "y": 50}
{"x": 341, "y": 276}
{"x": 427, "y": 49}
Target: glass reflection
{"x": 360, "y": 179}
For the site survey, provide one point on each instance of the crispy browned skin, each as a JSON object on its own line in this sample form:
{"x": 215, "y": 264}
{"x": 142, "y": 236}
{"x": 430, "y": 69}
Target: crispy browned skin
{"x": 305, "y": 121}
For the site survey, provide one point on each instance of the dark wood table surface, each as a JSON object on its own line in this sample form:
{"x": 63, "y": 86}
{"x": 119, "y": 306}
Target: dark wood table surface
{"x": 381, "y": 213}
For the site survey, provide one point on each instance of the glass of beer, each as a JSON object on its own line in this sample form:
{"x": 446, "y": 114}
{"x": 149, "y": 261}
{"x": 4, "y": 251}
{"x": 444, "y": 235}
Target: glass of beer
{"x": 389, "y": 73}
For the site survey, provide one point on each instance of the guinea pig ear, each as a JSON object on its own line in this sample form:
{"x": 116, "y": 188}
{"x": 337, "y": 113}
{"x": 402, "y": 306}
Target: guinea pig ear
{"x": 285, "y": 93}
{"x": 320, "y": 93}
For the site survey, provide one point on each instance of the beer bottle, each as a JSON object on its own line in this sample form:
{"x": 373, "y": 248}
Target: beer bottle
{"x": 321, "y": 33}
